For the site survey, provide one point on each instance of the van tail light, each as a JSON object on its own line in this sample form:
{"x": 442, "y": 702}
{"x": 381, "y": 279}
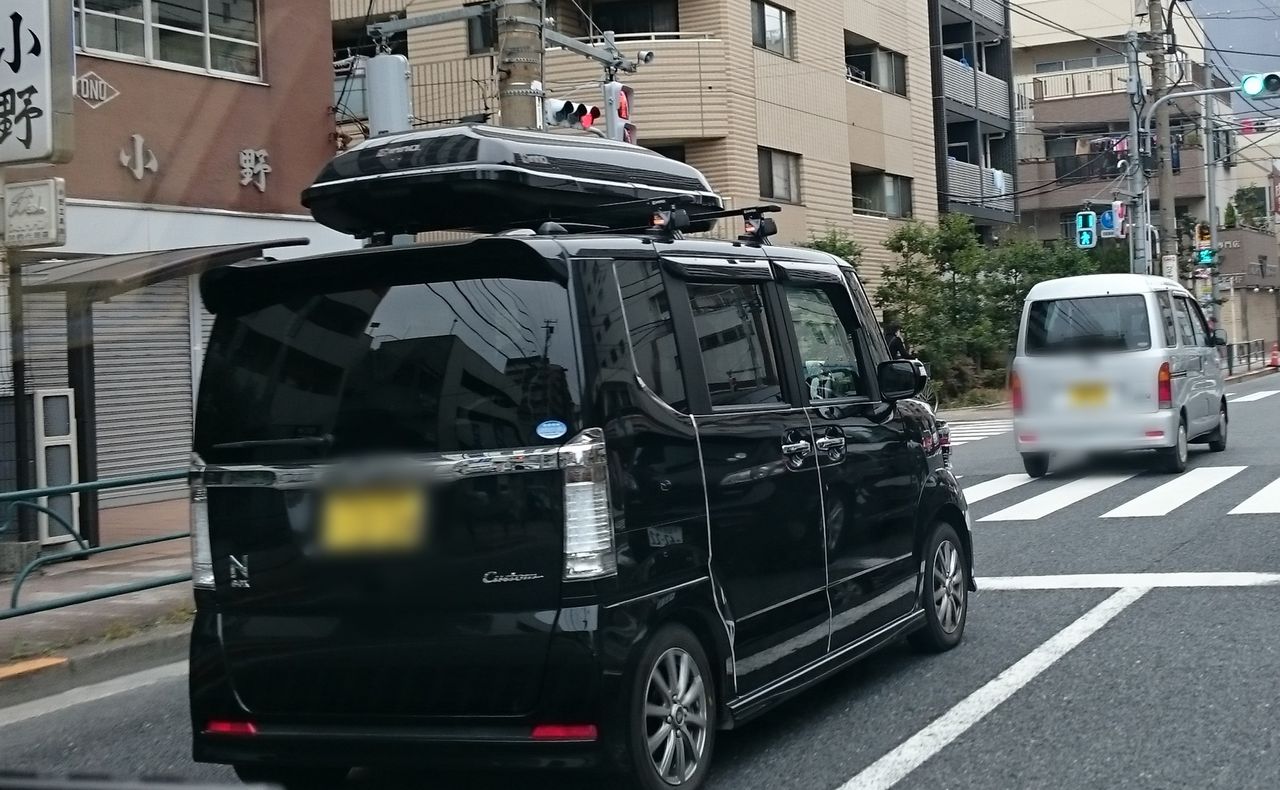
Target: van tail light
{"x": 201, "y": 551}
{"x": 589, "y": 551}
{"x": 565, "y": 732}
{"x": 1164, "y": 387}
{"x": 1015, "y": 392}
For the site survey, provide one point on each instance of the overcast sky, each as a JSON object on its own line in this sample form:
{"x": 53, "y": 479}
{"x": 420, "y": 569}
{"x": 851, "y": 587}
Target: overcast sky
{"x": 1243, "y": 26}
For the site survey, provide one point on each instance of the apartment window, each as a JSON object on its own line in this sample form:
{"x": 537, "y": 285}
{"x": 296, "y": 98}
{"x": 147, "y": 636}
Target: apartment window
{"x": 772, "y": 28}
{"x": 882, "y": 68}
{"x": 628, "y": 16}
{"x": 779, "y": 175}
{"x": 881, "y": 194}
{"x": 482, "y": 32}
{"x": 219, "y": 36}
{"x": 1076, "y": 64}
{"x": 676, "y": 152}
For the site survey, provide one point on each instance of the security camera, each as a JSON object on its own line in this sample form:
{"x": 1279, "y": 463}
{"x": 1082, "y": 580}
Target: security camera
{"x": 646, "y": 56}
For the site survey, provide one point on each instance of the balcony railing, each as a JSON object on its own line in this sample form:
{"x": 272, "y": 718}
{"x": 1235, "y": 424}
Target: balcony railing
{"x": 991, "y": 9}
{"x": 980, "y": 186}
{"x": 975, "y": 88}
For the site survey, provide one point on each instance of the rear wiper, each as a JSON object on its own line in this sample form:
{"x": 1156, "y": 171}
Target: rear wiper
{"x": 299, "y": 441}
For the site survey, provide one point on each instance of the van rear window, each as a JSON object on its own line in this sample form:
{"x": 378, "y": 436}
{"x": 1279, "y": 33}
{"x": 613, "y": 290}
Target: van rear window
{"x": 1095, "y": 323}
{"x": 431, "y": 365}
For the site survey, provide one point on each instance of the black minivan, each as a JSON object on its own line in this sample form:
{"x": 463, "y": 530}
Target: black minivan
{"x": 546, "y": 500}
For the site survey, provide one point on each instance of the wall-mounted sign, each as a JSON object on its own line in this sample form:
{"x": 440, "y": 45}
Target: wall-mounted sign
{"x": 35, "y": 213}
{"x": 254, "y": 168}
{"x": 137, "y": 158}
{"x": 35, "y": 82}
{"x": 94, "y": 90}
{"x": 1232, "y": 244}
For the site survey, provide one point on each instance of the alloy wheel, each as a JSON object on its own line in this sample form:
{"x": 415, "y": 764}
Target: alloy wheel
{"x": 948, "y": 586}
{"x": 675, "y": 711}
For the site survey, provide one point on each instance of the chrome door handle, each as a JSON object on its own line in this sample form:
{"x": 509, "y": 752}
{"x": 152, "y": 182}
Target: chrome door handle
{"x": 830, "y": 443}
{"x": 800, "y": 448}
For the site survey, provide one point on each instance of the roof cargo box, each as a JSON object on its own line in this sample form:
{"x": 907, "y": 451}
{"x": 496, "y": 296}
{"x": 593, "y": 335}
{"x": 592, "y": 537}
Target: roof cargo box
{"x": 489, "y": 179}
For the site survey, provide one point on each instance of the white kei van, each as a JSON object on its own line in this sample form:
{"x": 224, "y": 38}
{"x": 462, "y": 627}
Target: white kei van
{"x": 1115, "y": 362}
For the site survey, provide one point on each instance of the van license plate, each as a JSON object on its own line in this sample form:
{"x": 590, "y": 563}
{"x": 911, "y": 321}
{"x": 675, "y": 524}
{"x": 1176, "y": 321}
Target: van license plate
{"x": 1088, "y": 395}
{"x": 373, "y": 521}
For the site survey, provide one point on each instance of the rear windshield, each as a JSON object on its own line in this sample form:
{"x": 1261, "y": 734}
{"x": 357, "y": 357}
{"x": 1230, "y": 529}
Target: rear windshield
{"x": 442, "y": 363}
{"x": 1096, "y": 323}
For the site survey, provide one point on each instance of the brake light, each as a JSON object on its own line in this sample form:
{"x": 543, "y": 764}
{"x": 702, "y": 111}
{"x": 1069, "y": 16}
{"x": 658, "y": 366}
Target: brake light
{"x": 221, "y": 727}
{"x": 1015, "y": 392}
{"x": 201, "y": 551}
{"x": 565, "y": 732}
{"x": 1164, "y": 387}
{"x": 588, "y": 517}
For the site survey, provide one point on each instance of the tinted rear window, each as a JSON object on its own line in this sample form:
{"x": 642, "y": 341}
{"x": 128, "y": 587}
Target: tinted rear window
{"x": 446, "y": 363}
{"x": 1096, "y": 323}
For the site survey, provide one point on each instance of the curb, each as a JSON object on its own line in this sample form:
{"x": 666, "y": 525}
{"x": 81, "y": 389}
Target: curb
{"x": 1253, "y": 374}
{"x": 30, "y": 679}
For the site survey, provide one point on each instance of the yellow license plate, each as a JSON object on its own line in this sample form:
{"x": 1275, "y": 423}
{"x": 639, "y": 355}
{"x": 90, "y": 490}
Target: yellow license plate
{"x": 373, "y": 521}
{"x": 1089, "y": 394}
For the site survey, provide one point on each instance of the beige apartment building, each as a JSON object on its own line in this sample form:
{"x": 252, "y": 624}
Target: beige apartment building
{"x": 824, "y": 107}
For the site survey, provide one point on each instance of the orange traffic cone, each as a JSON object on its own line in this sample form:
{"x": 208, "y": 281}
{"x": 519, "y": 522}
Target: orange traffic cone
{"x": 1275, "y": 356}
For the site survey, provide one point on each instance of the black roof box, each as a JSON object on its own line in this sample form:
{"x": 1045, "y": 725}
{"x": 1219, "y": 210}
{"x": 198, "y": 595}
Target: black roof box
{"x": 489, "y": 179}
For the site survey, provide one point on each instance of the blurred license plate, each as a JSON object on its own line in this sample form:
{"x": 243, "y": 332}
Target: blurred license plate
{"x": 376, "y": 520}
{"x": 1088, "y": 395}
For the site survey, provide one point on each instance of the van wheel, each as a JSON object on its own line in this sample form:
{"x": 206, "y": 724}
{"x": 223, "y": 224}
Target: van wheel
{"x": 292, "y": 776}
{"x": 1036, "y": 464}
{"x": 1218, "y": 439}
{"x": 1174, "y": 459}
{"x": 672, "y": 715}
{"x": 945, "y": 592}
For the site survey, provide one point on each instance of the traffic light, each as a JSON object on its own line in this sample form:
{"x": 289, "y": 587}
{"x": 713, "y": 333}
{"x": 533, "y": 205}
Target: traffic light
{"x": 617, "y": 118}
{"x": 1207, "y": 257}
{"x": 557, "y": 112}
{"x": 1204, "y": 236}
{"x": 1087, "y": 230}
{"x": 1120, "y": 215}
{"x": 1265, "y": 85}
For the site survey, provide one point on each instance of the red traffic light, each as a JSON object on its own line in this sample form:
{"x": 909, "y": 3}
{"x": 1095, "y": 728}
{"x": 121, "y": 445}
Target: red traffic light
{"x": 624, "y": 105}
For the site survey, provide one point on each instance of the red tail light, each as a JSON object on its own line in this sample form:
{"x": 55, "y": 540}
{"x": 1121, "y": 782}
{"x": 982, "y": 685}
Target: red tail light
{"x": 1015, "y": 392}
{"x": 1164, "y": 387}
{"x": 565, "y": 732}
{"x": 220, "y": 727}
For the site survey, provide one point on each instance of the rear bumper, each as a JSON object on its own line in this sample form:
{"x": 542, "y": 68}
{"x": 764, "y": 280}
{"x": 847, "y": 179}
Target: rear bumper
{"x": 1113, "y": 432}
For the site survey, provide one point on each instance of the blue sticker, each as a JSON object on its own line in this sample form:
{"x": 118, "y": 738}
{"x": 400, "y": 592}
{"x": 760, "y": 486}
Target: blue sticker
{"x": 551, "y": 429}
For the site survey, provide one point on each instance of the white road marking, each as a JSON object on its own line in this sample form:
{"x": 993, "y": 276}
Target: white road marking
{"x": 994, "y": 487}
{"x": 966, "y": 432}
{"x": 913, "y": 752}
{"x": 1055, "y": 500}
{"x": 1254, "y": 396}
{"x": 1105, "y": 581}
{"x": 97, "y": 691}
{"x": 1265, "y": 501}
{"x": 1162, "y": 500}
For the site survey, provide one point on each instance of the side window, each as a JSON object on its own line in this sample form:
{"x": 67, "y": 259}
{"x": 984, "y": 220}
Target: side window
{"x": 1166, "y": 318}
{"x": 738, "y": 355}
{"x": 1199, "y": 323}
{"x": 1185, "y": 330}
{"x": 826, "y": 333}
{"x": 653, "y": 340}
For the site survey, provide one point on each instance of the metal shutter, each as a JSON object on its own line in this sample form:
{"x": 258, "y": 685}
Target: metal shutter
{"x": 143, "y": 356}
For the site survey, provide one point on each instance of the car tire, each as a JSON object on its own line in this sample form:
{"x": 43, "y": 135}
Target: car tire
{"x": 944, "y": 592}
{"x": 1036, "y": 464}
{"x": 1174, "y": 459}
{"x": 292, "y": 776}
{"x": 1218, "y": 439}
{"x": 674, "y": 724}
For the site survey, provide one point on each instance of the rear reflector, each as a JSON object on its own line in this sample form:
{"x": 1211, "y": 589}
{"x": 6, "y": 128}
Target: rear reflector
{"x": 1155, "y": 434}
{"x": 1027, "y": 437}
{"x": 565, "y": 732}
{"x": 221, "y": 727}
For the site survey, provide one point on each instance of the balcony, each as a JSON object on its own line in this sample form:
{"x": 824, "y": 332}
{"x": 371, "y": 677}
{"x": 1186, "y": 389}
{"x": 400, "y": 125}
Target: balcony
{"x": 974, "y": 88}
{"x": 1089, "y": 177}
{"x": 971, "y": 185}
{"x": 992, "y": 10}
{"x": 1096, "y": 95}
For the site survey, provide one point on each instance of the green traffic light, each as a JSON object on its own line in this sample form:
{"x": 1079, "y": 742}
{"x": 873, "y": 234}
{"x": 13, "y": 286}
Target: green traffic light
{"x": 1253, "y": 84}
{"x": 1205, "y": 257}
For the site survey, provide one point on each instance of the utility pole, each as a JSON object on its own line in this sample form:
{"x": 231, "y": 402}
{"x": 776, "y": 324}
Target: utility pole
{"x": 1211, "y": 196}
{"x": 520, "y": 50}
{"x": 1139, "y": 233}
{"x": 1161, "y": 147}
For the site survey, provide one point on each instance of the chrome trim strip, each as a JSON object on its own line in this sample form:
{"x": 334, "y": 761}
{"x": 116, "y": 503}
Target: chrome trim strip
{"x": 905, "y": 620}
{"x": 656, "y": 593}
{"x": 882, "y": 565}
{"x": 781, "y": 604}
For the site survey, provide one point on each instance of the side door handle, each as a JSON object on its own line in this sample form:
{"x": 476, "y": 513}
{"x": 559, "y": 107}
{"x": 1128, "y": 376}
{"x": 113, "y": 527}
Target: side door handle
{"x": 798, "y": 449}
{"x": 826, "y": 443}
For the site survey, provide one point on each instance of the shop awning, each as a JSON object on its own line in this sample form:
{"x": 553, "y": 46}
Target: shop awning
{"x": 96, "y": 279}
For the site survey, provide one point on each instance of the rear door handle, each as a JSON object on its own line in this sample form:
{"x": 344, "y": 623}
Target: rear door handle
{"x": 830, "y": 443}
{"x": 799, "y": 449}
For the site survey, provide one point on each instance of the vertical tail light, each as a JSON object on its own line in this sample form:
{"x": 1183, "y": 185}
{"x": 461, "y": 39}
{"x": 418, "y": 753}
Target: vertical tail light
{"x": 1015, "y": 392}
{"x": 201, "y": 551}
{"x": 1164, "y": 387}
{"x": 589, "y": 551}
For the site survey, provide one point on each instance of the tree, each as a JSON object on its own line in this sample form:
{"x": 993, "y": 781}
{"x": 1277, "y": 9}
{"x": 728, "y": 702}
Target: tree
{"x": 1251, "y": 206}
{"x": 837, "y": 243}
{"x": 1231, "y": 220}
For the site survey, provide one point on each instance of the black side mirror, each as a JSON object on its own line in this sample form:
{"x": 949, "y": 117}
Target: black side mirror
{"x": 899, "y": 379}
{"x": 1218, "y": 338}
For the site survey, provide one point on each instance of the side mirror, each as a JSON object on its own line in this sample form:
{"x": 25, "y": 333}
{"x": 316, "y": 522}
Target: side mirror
{"x": 899, "y": 379}
{"x": 1218, "y": 338}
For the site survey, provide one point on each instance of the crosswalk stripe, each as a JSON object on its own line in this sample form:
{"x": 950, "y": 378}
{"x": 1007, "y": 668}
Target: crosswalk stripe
{"x": 1055, "y": 500}
{"x": 1254, "y": 396}
{"x": 1265, "y": 501}
{"x": 1164, "y": 499}
{"x": 994, "y": 487}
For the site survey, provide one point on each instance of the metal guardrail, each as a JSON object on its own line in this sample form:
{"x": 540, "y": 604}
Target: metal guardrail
{"x": 1244, "y": 357}
{"x": 13, "y": 500}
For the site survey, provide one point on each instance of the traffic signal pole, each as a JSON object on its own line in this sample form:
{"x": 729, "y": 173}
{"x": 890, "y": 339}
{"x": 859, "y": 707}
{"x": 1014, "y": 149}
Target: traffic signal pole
{"x": 520, "y": 50}
{"x": 1162, "y": 145}
{"x": 1139, "y": 235}
{"x": 1211, "y": 197}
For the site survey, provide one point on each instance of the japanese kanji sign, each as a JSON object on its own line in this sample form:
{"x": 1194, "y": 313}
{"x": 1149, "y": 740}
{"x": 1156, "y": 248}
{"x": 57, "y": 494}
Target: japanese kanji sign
{"x": 35, "y": 213}
{"x": 36, "y": 72}
{"x": 254, "y": 168}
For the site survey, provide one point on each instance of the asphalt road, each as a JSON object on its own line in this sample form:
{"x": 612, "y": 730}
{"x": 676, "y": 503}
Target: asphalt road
{"x": 1160, "y": 672}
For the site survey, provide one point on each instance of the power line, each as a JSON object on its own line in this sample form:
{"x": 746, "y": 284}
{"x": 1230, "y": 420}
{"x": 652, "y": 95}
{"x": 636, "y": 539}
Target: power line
{"x": 1035, "y": 17}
